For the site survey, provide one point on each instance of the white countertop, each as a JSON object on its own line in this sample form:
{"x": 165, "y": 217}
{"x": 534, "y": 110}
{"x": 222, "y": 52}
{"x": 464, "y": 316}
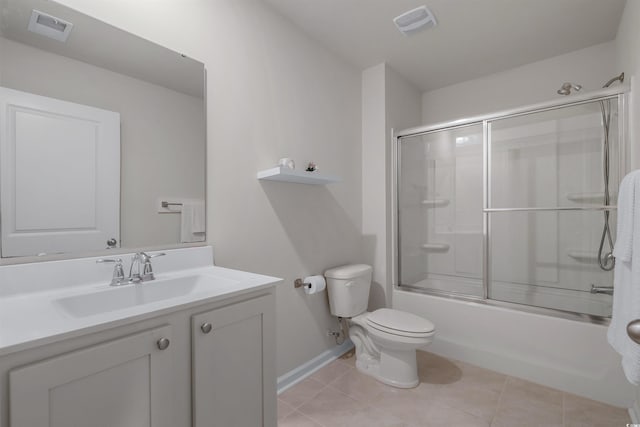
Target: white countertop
{"x": 37, "y": 318}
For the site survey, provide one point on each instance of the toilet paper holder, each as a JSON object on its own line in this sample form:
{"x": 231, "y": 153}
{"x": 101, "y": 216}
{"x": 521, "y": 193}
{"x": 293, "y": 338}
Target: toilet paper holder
{"x": 298, "y": 283}
{"x": 311, "y": 284}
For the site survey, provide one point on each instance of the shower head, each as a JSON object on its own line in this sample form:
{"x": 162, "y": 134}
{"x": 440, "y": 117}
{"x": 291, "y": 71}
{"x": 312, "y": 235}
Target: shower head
{"x": 566, "y": 88}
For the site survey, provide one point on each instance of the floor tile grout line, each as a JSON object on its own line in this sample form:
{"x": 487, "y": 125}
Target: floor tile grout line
{"x": 288, "y": 404}
{"x": 312, "y": 419}
{"x": 296, "y": 407}
{"x": 303, "y": 415}
{"x": 495, "y": 412}
{"x": 563, "y": 398}
{"x": 341, "y": 375}
{"x": 310, "y": 399}
{"x": 325, "y": 387}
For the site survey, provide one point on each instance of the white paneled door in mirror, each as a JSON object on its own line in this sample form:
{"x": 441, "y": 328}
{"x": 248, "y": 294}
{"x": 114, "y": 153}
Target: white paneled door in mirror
{"x": 59, "y": 175}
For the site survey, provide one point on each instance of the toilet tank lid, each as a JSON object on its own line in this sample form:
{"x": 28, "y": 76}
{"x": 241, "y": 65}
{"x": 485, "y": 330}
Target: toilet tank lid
{"x": 349, "y": 271}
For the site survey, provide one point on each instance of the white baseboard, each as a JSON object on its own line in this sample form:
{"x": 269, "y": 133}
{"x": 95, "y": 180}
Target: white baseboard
{"x": 303, "y": 371}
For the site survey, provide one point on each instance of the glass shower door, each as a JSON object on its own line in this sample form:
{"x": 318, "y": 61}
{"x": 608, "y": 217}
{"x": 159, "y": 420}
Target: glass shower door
{"x": 440, "y": 211}
{"x": 545, "y": 193}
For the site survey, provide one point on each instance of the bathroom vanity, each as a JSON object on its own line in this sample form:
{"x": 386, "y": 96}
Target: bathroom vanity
{"x": 195, "y": 346}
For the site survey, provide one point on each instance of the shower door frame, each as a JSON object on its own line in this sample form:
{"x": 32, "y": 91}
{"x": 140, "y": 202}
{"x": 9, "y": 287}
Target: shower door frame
{"x": 618, "y": 93}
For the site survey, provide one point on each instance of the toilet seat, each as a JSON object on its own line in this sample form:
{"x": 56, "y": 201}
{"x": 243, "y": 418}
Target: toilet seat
{"x": 400, "y": 323}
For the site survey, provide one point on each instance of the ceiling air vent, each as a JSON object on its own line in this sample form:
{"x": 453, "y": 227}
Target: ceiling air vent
{"x": 49, "y": 26}
{"x": 415, "y": 20}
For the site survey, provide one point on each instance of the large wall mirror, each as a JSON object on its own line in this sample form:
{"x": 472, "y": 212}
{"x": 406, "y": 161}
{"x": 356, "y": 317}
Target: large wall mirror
{"x": 102, "y": 137}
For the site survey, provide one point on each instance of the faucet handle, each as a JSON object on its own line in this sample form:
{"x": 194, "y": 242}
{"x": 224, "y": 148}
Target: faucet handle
{"x": 118, "y": 271}
{"x": 146, "y": 257}
{"x": 147, "y": 272}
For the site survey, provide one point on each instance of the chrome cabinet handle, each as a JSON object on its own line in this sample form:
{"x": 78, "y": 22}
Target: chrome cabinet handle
{"x": 607, "y": 290}
{"x": 206, "y": 327}
{"x": 163, "y": 343}
{"x": 633, "y": 330}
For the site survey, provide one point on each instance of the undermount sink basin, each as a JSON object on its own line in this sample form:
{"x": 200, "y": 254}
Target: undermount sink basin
{"x": 126, "y": 296}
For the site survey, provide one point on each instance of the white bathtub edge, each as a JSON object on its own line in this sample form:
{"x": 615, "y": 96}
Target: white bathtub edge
{"x": 567, "y": 355}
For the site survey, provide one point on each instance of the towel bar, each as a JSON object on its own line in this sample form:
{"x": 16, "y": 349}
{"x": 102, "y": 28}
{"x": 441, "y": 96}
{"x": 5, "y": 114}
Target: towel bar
{"x": 167, "y": 204}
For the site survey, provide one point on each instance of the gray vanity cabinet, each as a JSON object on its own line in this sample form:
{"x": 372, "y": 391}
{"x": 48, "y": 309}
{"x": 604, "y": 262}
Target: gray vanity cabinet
{"x": 124, "y": 382}
{"x": 234, "y": 365}
{"x": 210, "y": 365}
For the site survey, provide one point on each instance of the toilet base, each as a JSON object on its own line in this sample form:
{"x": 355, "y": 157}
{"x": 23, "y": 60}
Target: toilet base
{"x": 394, "y": 368}
{"x": 394, "y": 365}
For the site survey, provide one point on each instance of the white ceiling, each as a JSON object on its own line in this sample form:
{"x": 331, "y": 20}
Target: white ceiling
{"x": 473, "y": 37}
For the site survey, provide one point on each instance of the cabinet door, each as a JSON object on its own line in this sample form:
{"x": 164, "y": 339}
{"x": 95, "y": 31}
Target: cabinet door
{"x": 121, "y": 383}
{"x": 234, "y": 365}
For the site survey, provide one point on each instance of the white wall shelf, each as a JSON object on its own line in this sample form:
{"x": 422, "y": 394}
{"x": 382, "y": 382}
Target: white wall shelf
{"x": 299, "y": 177}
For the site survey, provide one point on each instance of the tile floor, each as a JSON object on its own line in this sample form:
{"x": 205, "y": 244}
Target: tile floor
{"x": 450, "y": 393}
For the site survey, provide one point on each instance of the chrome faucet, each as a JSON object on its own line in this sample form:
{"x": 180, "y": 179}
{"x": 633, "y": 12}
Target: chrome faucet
{"x": 142, "y": 259}
{"x": 139, "y": 261}
{"x": 134, "y": 269}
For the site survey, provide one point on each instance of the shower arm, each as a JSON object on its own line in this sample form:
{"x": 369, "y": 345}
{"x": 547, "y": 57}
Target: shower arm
{"x": 613, "y": 79}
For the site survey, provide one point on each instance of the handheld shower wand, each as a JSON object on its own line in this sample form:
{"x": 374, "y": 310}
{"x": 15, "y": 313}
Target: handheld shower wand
{"x": 607, "y": 261}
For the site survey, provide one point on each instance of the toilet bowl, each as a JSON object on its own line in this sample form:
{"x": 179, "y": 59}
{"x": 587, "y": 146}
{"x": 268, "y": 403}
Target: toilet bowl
{"x": 386, "y": 340}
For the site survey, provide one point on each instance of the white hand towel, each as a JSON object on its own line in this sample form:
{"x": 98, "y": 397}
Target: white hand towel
{"x": 626, "y": 296}
{"x": 192, "y": 221}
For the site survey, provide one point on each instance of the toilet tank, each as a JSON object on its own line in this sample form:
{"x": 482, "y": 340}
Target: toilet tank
{"x": 348, "y": 287}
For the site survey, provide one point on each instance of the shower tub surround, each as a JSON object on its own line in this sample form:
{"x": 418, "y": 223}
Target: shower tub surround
{"x": 511, "y": 207}
{"x": 506, "y": 211}
{"x": 73, "y": 348}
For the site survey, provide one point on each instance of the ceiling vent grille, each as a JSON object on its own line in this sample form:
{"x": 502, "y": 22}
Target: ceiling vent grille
{"x": 49, "y": 26}
{"x": 415, "y": 20}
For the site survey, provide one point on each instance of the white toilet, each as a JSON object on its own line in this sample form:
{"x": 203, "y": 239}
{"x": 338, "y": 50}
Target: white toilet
{"x": 386, "y": 340}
